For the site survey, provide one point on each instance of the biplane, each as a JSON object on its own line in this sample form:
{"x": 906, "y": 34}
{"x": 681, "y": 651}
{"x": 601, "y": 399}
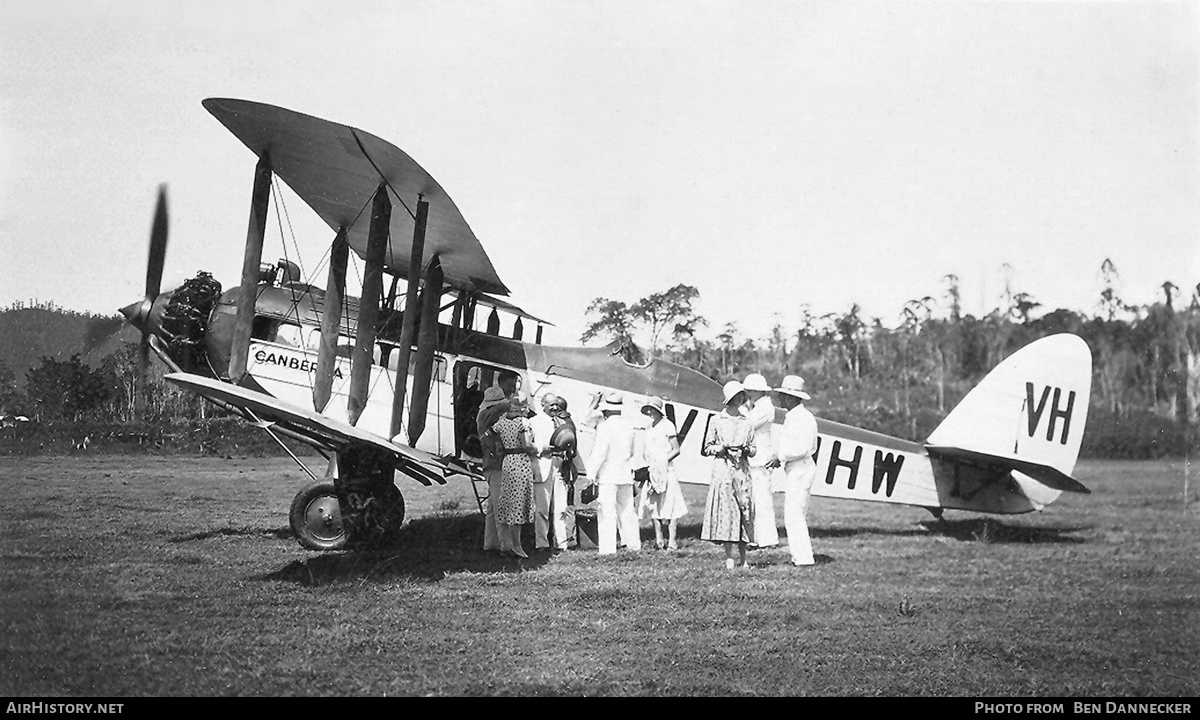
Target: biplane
{"x": 386, "y": 384}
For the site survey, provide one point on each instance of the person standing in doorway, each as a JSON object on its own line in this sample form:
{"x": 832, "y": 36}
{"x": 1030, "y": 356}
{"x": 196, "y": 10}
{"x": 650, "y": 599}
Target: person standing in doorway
{"x": 493, "y": 407}
{"x": 518, "y": 473}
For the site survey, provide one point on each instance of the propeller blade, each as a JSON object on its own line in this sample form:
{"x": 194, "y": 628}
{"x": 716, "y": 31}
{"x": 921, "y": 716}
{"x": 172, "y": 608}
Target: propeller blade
{"x": 158, "y": 246}
{"x": 139, "y": 398}
{"x": 138, "y": 313}
{"x": 99, "y": 330}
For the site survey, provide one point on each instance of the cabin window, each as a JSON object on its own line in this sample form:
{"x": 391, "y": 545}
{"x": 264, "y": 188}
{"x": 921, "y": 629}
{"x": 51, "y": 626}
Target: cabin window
{"x": 277, "y": 331}
{"x": 312, "y": 340}
{"x": 392, "y": 353}
{"x": 344, "y": 348}
{"x": 289, "y": 334}
{"x": 264, "y": 328}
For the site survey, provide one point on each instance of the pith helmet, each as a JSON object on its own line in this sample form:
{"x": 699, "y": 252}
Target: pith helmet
{"x": 656, "y": 403}
{"x": 731, "y": 389}
{"x": 756, "y": 382}
{"x": 793, "y": 385}
{"x": 492, "y": 397}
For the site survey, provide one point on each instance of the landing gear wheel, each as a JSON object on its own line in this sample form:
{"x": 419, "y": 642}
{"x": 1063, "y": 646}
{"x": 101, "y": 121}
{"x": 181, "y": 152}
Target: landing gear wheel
{"x": 316, "y": 517}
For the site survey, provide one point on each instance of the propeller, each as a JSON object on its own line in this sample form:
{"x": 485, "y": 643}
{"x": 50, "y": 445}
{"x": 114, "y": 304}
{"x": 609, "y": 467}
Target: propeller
{"x": 139, "y": 313}
{"x": 158, "y": 246}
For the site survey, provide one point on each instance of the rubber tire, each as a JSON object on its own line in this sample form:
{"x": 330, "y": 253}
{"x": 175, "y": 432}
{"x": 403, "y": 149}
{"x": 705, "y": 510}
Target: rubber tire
{"x": 320, "y": 491}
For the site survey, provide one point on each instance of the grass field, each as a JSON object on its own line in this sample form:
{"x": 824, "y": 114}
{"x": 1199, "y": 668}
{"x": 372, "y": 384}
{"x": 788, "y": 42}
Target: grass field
{"x": 178, "y": 576}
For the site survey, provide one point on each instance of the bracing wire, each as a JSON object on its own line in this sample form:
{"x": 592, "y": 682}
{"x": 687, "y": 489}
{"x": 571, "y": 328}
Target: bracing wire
{"x": 371, "y": 160}
{"x": 283, "y": 215}
{"x": 280, "y": 214}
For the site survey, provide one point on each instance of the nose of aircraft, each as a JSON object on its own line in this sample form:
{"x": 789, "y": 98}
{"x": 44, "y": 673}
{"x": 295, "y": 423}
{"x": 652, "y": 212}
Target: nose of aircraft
{"x": 146, "y": 315}
{"x": 135, "y": 312}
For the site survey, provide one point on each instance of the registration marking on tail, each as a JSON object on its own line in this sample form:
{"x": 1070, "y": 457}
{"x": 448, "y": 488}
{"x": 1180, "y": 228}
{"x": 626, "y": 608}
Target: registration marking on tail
{"x": 1034, "y": 412}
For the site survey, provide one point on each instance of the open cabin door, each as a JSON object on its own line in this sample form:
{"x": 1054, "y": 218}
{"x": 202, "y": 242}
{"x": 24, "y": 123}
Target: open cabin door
{"x": 471, "y": 379}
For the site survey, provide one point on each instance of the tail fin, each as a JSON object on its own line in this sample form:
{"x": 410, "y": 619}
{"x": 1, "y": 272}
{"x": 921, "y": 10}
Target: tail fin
{"x": 1027, "y": 415}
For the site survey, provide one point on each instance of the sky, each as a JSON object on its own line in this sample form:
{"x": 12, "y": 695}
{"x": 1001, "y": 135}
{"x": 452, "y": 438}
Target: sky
{"x": 778, "y": 156}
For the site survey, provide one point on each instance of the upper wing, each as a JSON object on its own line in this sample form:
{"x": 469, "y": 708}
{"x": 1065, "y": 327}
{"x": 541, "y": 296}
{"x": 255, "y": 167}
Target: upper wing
{"x": 509, "y": 308}
{"x": 336, "y": 169}
{"x": 317, "y": 429}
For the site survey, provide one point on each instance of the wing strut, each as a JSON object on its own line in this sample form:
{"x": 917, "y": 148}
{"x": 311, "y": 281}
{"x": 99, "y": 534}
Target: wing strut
{"x": 331, "y": 321}
{"x": 431, "y": 299}
{"x": 368, "y": 310}
{"x": 410, "y": 316}
{"x": 244, "y": 325}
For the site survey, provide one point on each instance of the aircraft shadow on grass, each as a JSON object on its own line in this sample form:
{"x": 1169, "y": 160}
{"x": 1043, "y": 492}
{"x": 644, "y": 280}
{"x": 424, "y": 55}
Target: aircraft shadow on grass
{"x": 278, "y": 533}
{"x": 990, "y": 530}
{"x": 987, "y": 530}
{"x": 431, "y": 548}
{"x": 428, "y": 548}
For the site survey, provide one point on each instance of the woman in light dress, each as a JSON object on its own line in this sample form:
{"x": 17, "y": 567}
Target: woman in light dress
{"x": 729, "y": 514}
{"x": 515, "y": 507}
{"x": 662, "y": 497}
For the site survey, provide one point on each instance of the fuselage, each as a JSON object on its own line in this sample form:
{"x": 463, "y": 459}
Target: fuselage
{"x": 851, "y": 463}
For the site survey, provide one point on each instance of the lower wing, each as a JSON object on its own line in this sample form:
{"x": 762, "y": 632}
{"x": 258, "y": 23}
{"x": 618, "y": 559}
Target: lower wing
{"x": 317, "y": 429}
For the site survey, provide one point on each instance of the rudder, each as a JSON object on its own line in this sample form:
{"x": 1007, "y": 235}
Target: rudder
{"x": 1030, "y": 409}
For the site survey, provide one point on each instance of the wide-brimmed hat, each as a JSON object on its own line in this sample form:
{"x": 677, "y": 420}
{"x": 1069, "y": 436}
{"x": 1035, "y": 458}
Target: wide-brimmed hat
{"x": 492, "y": 397}
{"x": 613, "y": 402}
{"x": 656, "y": 403}
{"x": 731, "y": 389}
{"x": 793, "y": 385}
{"x": 756, "y": 382}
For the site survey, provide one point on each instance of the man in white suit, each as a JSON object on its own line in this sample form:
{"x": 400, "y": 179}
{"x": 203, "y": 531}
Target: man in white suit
{"x": 550, "y": 489}
{"x": 760, "y": 411}
{"x": 797, "y": 450}
{"x": 611, "y": 465}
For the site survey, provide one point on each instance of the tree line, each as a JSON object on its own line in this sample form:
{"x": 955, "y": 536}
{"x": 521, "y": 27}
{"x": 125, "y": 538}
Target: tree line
{"x": 903, "y": 377}
{"x": 899, "y": 378}
{"x": 75, "y": 391}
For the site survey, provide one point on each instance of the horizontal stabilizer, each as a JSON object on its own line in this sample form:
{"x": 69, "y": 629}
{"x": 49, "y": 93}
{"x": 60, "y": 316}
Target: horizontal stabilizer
{"x": 1046, "y": 475}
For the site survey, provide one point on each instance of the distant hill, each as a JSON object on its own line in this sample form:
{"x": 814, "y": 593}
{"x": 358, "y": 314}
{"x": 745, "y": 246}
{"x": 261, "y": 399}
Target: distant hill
{"x": 29, "y": 333}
